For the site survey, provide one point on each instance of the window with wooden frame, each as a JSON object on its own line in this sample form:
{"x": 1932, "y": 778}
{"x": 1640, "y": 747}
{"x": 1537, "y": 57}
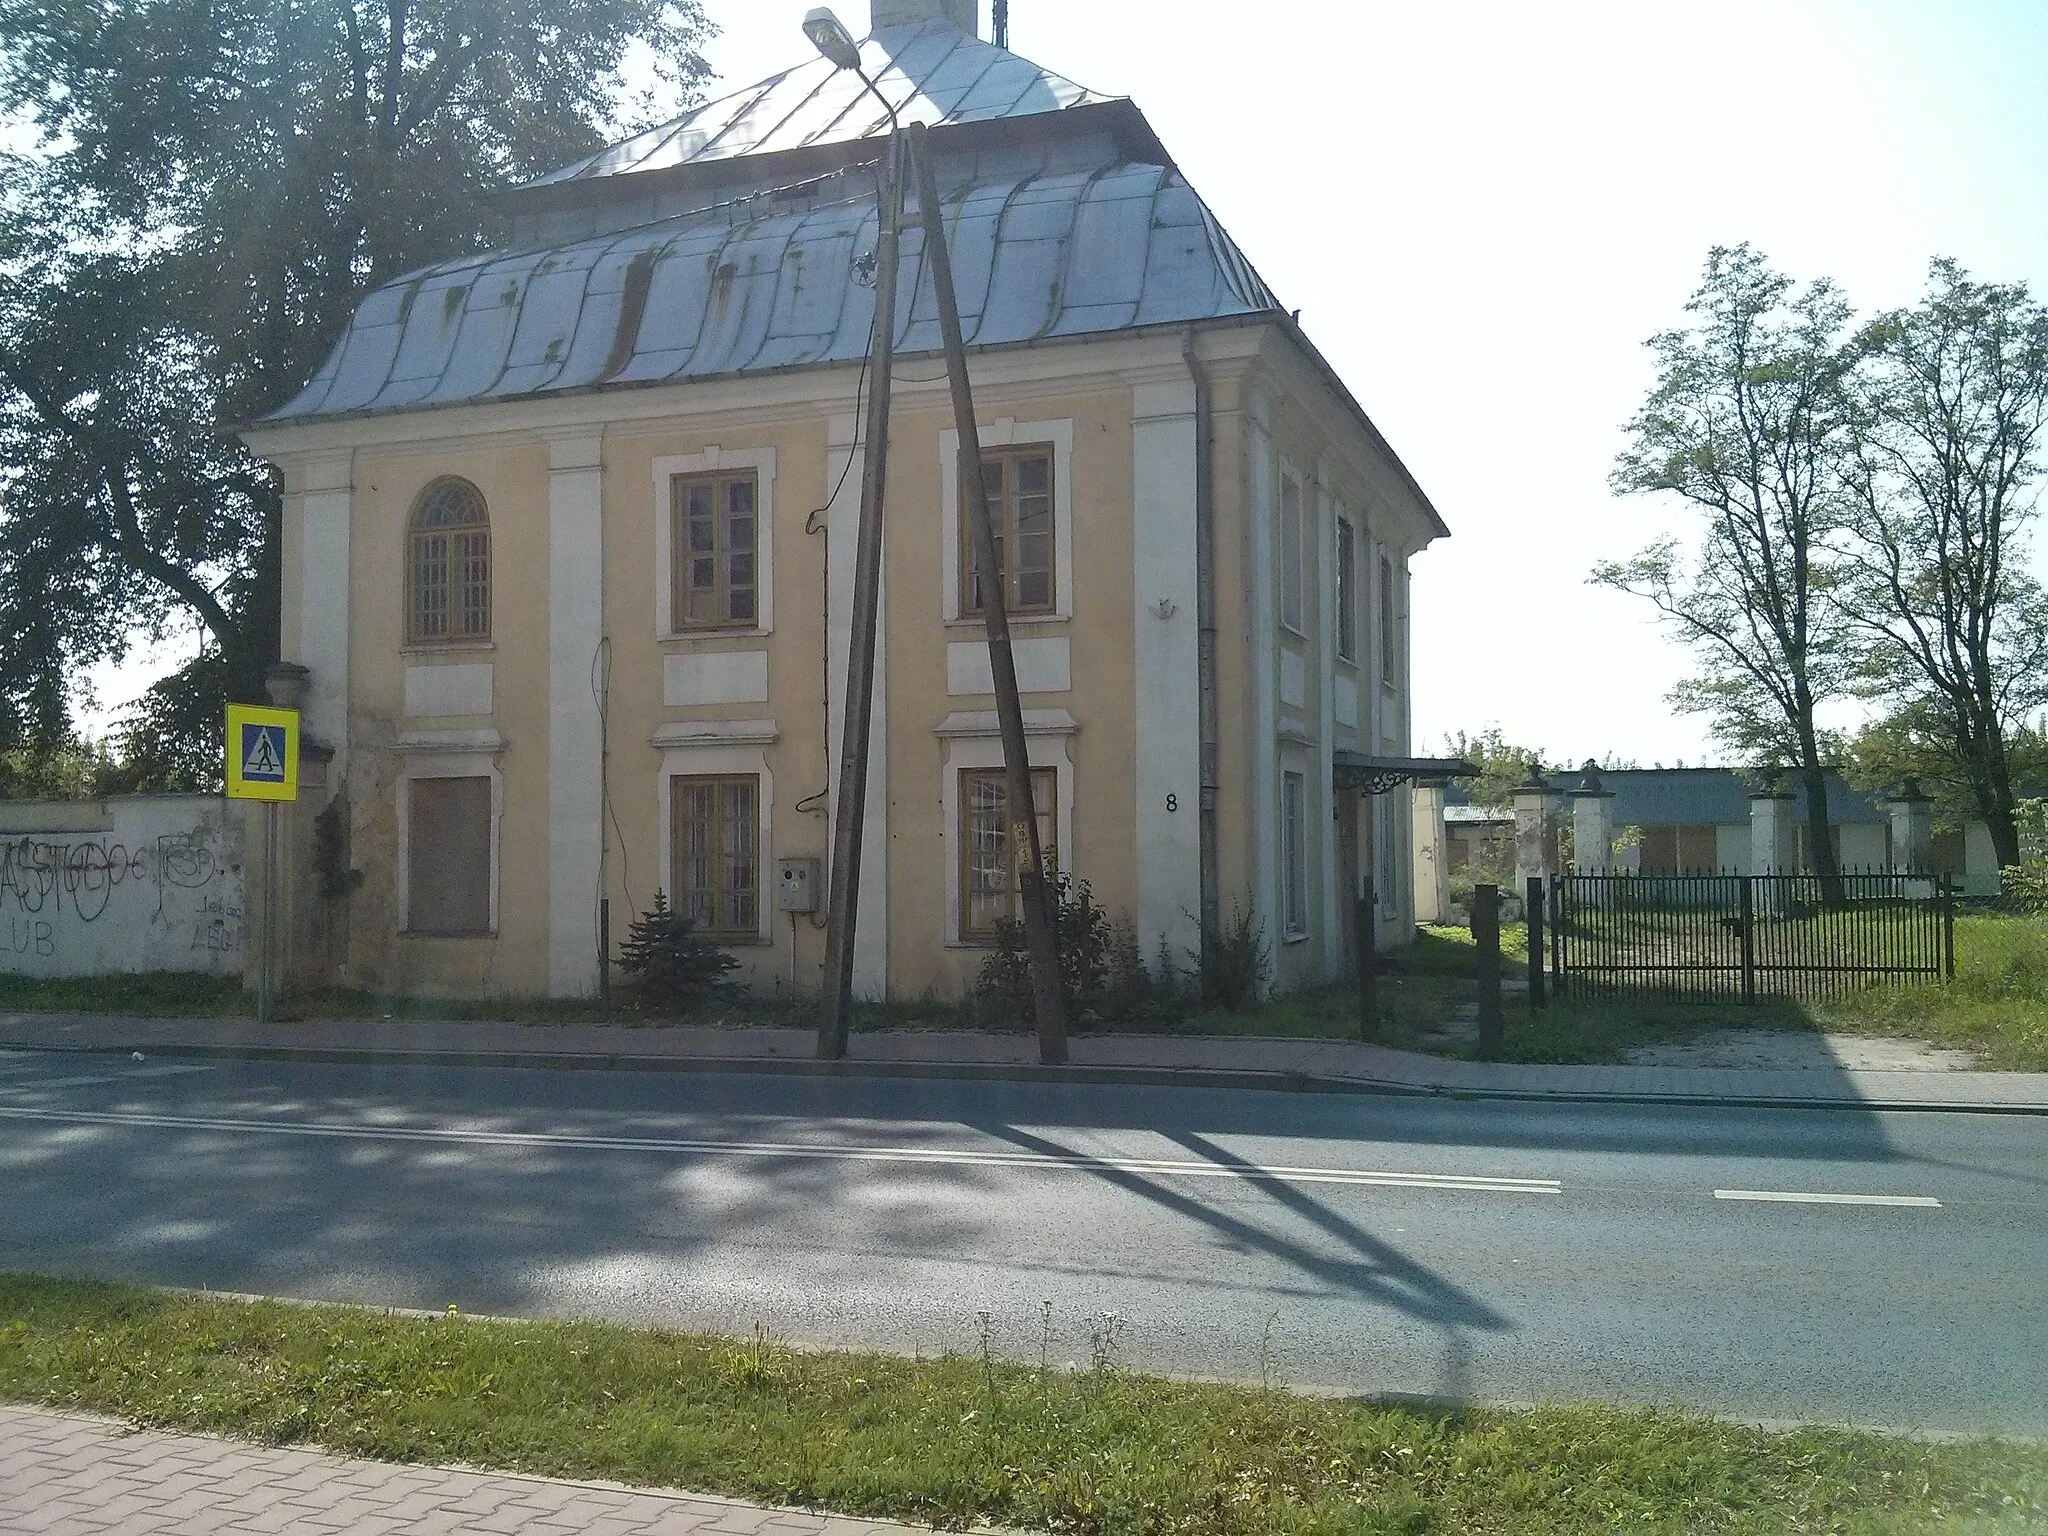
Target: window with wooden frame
{"x": 716, "y": 853}
{"x": 448, "y": 857}
{"x": 1294, "y": 852}
{"x": 448, "y": 565}
{"x": 1019, "y": 483}
{"x": 715, "y": 531}
{"x": 1390, "y": 671}
{"x": 1347, "y": 591}
{"x": 989, "y": 890}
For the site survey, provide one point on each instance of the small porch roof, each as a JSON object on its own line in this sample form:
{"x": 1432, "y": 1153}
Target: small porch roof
{"x": 1384, "y": 773}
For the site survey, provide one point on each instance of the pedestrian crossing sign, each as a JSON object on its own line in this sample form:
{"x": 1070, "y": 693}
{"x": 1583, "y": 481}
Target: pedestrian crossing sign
{"x": 263, "y": 753}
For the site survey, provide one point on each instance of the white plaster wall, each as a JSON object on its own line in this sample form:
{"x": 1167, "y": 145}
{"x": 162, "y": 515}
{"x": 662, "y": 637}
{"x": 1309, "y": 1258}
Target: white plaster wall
{"x": 714, "y": 677}
{"x": 1043, "y": 666}
{"x": 1731, "y": 847}
{"x": 1863, "y": 846}
{"x": 1166, "y": 648}
{"x": 132, "y": 884}
{"x": 575, "y": 736}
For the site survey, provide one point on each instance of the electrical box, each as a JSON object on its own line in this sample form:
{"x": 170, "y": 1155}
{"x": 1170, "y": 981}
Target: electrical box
{"x": 796, "y": 885}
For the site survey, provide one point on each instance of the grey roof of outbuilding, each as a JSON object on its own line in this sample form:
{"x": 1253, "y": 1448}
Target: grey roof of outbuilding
{"x": 1694, "y": 797}
{"x": 773, "y": 281}
{"x": 930, "y": 72}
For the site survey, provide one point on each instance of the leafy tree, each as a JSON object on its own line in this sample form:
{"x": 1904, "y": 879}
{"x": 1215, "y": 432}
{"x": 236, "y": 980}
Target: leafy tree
{"x": 1749, "y": 424}
{"x": 1502, "y": 766}
{"x": 1952, "y": 406}
{"x": 219, "y": 183}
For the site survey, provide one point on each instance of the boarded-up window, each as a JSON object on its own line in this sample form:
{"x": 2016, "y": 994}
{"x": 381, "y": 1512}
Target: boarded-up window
{"x": 717, "y": 854}
{"x": 1690, "y": 850}
{"x": 449, "y": 565}
{"x": 988, "y": 879}
{"x": 448, "y": 856}
{"x": 1019, "y": 485}
{"x": 716, "y": 579}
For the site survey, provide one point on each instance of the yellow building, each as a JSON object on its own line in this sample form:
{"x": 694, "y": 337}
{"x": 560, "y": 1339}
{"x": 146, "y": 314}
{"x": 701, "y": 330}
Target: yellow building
{"x": 568, "y": 538}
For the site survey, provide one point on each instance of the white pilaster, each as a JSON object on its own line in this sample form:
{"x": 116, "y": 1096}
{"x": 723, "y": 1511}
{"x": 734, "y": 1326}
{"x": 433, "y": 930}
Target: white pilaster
{"x": 1166, "y": 647}
{"x": 1263, "y": 665}
{"x": 1323, "y": 843}
{"x": 844, "y": 468}
{"x": 1432, "y": 871}
{"x": 326, "y": 509}
{"x": 575, "y": 730}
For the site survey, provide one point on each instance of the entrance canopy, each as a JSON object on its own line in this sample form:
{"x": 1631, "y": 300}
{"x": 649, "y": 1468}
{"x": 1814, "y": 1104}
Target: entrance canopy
{"x": 1376, "y": 775}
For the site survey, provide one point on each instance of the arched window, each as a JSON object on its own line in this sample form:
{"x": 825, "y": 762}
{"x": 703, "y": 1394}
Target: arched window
{"x": 449, "y": 571}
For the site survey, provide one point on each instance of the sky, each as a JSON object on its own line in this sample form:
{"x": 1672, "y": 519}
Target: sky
{"x": 1482, "y": 210}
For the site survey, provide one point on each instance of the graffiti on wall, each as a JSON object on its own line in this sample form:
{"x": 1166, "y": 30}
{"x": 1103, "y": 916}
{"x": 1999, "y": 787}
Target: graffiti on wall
{"x": 92, "y": 893}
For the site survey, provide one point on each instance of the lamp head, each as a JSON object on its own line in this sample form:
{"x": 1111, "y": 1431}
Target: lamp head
{"x": 829, "y": 33}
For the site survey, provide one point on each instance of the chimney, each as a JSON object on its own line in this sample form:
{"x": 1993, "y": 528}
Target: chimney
{"x": 905, "y": 13}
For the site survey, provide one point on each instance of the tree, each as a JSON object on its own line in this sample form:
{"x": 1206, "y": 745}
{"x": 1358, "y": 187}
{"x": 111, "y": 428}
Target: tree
{"x": 1749, "y": 424}
{"x": 1952, "y": 403}
{"x": 220, "y": 182}
{"x": 1502, "y": 766}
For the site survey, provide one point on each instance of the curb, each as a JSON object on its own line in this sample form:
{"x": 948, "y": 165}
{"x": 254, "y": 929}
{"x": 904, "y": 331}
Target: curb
{"x": 1152, "y": 1077}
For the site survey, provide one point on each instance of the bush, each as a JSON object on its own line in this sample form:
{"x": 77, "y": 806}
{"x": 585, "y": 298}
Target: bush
{"x": 674, "y": 969}
{"x": 1234, "y": 963}
{"x": 1085, "y": 939}
{"x": 2027, "y": 885}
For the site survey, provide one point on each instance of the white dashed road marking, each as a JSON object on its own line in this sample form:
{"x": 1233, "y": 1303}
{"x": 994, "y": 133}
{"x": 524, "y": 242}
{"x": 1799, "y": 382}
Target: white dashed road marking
{"x": 1063, "y": 1162}
{"x": 1803, "y": 1197}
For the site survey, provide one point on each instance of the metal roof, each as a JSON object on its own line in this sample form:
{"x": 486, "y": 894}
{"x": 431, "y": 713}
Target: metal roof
{"x": 1698, "y": 797}
{"x": 784, "y": 279}
{"x": 930, "y": 72}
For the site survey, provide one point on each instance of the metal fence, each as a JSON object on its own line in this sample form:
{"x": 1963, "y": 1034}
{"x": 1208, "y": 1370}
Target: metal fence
{"x": 1748, "y": 936}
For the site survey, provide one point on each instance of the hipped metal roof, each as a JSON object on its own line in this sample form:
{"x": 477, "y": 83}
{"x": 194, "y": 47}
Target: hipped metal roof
{"x": 1058, "y": 230}
{"x": 930, "y": 72}
{"x": 759, "y": 285}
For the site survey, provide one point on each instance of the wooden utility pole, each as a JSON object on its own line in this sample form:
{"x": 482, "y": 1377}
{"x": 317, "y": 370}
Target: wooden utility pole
{"x": 1040, "y": 937}
{"x": 851, "y": 806}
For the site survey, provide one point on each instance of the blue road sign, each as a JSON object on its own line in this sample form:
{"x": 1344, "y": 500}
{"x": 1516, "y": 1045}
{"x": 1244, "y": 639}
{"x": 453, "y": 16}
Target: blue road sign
{"x": 263, "y": 754}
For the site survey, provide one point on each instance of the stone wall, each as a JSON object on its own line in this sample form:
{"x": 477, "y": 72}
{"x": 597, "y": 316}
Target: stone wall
{"x": 128, "y": 884}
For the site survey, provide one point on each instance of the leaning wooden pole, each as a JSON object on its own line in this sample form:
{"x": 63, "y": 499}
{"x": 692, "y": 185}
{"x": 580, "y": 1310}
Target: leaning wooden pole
{"x": 851, "y": 803}
{"x": 1040, "y": 938}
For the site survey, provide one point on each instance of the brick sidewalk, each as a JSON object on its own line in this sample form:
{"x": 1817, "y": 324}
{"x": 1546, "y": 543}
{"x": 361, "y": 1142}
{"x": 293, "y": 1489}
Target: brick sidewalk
{"x": 1194, "y": 1059}
{"x": 66, "y": 1475}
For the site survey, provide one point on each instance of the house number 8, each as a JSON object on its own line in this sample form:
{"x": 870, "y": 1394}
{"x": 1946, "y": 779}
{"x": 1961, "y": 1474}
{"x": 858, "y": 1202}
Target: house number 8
{"x": 1172, "y": 803}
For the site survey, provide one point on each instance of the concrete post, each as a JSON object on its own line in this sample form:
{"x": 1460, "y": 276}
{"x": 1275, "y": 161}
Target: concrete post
{"x": 1535, "y": 831}
{"x": 1432, "y": 857}
{"x": 1592, "y": 825}
{"x": 286, "y": 684}
{"x": 1773, "y": 833}
{"x": 1912, "y": 816}
{"x": 1773, "y": 843}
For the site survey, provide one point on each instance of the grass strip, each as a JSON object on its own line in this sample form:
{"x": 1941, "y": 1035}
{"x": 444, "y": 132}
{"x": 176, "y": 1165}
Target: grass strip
{"x": 960, "y": 1440}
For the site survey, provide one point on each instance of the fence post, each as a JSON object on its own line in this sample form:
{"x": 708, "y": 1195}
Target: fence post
{"x": 1749, "y": 940}
{"x": 1557, "y": 936}
{"x": 1948, "y": 927}
{"x": 1532, "y": 907}
{"x": 1486, "y": 939}
{"x": 1368, "y": 964}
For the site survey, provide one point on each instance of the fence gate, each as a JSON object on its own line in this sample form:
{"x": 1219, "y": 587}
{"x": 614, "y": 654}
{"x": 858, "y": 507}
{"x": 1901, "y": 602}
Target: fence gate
{"x": 1748, "y": 936}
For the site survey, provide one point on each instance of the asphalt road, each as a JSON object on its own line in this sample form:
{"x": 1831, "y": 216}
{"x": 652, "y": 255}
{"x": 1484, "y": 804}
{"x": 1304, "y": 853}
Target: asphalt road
{"x": 1472, "y": 1250}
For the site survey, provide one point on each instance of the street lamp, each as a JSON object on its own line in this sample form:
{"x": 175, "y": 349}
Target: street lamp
{"x": 1040, "y": 937}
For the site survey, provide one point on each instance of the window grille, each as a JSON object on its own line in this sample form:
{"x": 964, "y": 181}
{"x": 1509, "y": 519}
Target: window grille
{"x": 449, "y": 565}
{"x": 717, "y": 854}
{"x": 989, "y": 890}
{"x": 1019, "y": 485}
{"x": 716, "y": 531}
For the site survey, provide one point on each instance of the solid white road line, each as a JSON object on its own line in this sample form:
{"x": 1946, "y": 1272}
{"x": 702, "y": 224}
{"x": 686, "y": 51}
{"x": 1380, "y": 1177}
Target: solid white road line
{"x": 10, "y": 1084}
{"x": 1075, "y": 1162}
{"x": 1803, "y": 1197}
